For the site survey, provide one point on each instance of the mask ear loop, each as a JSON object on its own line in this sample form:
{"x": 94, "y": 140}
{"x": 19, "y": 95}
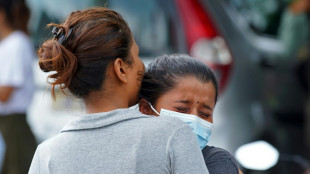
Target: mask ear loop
{"x": 153, "y": 109}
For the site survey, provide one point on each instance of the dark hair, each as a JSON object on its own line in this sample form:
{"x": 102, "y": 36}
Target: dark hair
{"x": 94, "y": 38}
{"x": 17, "y": 14}
{"x": 163, "y": 74}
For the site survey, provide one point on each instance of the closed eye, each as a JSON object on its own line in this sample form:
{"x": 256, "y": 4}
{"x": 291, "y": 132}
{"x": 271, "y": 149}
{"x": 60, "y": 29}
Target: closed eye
{"x": 181, "y": 109}
{"x": 205, "y": 115}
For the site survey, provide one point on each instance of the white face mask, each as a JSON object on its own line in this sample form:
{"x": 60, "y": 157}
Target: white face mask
{"x": 200, "y": 127}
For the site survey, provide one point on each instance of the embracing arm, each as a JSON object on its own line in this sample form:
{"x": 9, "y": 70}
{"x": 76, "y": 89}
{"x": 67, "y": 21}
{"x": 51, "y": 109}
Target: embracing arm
{"x": 220, "y": 161}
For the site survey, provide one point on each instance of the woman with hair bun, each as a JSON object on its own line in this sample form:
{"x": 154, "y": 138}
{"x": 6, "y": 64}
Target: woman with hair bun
{"x": 16, "y": 87}
{"x": 94, "y": 55}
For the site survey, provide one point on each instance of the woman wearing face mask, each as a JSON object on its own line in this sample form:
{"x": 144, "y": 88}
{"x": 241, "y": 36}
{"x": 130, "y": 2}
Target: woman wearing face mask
{"x": 179, "y": 86}
{"x": 95, "y": 57}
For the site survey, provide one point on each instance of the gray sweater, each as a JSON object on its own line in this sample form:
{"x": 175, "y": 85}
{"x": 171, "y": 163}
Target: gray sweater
{"x": 120, "y": 141}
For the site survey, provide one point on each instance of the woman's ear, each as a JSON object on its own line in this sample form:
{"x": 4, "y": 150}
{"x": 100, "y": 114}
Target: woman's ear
{"x": 144, "y": 107}
{"x": 121, "y": 70}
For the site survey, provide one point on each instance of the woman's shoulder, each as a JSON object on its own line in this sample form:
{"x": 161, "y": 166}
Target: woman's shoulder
{"x": 219, "y": 160}
{"x": 164, "y": 127}
{"x": 151, "y": 120}
{"x": 167, "y": 120}
{"x": 165, "y": 124}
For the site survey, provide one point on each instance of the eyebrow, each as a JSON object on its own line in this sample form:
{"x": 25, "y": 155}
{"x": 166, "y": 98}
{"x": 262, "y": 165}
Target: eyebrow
{"x": 182, "y": 101}
{"x": 207, "y": 107}
{"x": 186, "y": 102}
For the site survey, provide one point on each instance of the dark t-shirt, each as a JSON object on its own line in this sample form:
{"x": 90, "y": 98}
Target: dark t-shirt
{"x": 219, "y": 161}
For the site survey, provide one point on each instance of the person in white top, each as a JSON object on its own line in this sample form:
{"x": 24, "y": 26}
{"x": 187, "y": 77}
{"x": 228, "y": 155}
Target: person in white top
{"x": 16, "y": 86}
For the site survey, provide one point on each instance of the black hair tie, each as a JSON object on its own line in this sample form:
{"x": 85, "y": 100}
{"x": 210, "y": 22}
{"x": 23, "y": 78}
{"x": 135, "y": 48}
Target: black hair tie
{"x": 60, "y": 35}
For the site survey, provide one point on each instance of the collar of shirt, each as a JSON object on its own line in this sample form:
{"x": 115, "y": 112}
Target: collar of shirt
{"x": 97, "y": 120}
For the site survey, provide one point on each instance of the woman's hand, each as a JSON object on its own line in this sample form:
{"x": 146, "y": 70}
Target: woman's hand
{"x": 5, "y": 93}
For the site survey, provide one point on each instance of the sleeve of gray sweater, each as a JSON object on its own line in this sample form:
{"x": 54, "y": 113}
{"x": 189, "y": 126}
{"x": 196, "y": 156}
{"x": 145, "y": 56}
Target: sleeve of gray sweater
{"x": 184, "y": 152}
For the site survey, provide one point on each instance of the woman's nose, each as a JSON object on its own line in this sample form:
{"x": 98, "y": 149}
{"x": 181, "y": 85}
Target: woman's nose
{"x": 194, "y": 112}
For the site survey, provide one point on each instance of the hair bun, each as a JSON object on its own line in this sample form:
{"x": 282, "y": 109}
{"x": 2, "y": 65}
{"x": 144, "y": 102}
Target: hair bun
{"x": 45, "y": 55}
{"x": 55, "y": 57}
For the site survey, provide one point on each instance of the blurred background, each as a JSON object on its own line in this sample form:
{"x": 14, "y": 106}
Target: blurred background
{"x": 258, "y": 49}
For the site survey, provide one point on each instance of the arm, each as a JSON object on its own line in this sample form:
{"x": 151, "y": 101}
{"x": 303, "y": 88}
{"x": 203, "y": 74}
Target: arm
{"x": 220, "y": 161}
{"x": 184, "y": 152}
{"x": 5, "y": 93}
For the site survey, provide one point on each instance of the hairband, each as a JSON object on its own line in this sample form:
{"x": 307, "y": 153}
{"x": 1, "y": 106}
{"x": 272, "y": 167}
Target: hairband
{"x": 60, "y": 35}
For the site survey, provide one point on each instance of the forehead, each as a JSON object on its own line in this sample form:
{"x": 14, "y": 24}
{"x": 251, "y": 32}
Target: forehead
{"x": 190, "y": 88}
{"x": 134, "y": 45}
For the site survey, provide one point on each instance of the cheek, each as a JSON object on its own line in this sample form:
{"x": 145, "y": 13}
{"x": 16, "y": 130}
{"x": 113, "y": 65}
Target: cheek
{"x": 210, "y": 119}
{"x": 163, "y": 104}
{"x": 140, "y": 76}
{"x": 159, "y": 104}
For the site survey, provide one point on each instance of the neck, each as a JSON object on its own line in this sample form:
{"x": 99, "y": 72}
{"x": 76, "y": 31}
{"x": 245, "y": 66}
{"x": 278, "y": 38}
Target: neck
{"x": 103, "y": 101}
{"x": 103, "y": 104}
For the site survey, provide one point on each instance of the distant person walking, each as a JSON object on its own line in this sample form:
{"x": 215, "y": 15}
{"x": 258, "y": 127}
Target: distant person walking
{"x": 16, "y": 86}
{"x": 295, "y": 34}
